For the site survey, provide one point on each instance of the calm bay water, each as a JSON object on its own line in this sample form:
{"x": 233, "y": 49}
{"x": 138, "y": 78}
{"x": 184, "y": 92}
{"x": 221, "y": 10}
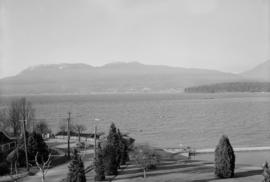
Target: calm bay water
{"x": 165, "y": 120}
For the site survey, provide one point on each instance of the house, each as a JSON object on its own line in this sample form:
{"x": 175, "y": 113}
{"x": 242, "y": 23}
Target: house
{"x": 6, "y": 142}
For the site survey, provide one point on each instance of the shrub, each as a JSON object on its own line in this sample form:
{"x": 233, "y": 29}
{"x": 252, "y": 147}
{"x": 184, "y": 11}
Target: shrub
{"x": 4, "y": 168}
{"x": 21, "y": 159}
{"x": 99, "y": 166}
{"x": 224, "y": 159}
{"x": 76, "y": 169}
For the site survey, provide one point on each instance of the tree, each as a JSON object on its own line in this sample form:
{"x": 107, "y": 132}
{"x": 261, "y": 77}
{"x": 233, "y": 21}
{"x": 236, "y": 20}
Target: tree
{"x": 63, "y": 126}
{"x": 76, "y": 169}
{"x": 42, "y": 127}
{"x": 12, "y": 158}
{"x": 43, "y": 166}
{"x": 123, "y": 149}
{"x": 79, "y": 128}
{"x": 20, "y": 109}
{"x": 99, "y": 165}
{"x": 14, "y": 117}
{"x": 111, "y": 150}
{"x": 3, "y": 119}
{"x": 224, "y": 158}
{"x": 266, "y": 172}
{"x": 36, "y": 145}
{"x": 109, "y": 159}
{"x": 145, "y": 157}
{"x": 27, "y": 112}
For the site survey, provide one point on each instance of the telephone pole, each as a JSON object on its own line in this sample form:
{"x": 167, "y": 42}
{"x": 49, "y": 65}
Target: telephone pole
{"x": 25, "y": 144}
{"x": 95, "y": 149}
{"x": 68, "y": 133}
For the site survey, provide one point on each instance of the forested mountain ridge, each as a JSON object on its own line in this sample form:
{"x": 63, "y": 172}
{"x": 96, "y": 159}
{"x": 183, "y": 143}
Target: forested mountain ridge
{"x": 131, "y": 77}
{"x": 231, "y": 87}
{"x": 111, "y": 78}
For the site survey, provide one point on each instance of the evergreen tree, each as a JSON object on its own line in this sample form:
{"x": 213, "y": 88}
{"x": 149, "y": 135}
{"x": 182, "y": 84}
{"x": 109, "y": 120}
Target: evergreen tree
{"x": 111, "y": 150}
{"x": 76, "y": 169}
{"x": 99, "y": 166}
{"x": 110, "y": 160}
{"x": 224, "y": 158}
{"x": 36, "y": 144}
{"x": 113, "y": 136}
{"x": 122, "y": 149}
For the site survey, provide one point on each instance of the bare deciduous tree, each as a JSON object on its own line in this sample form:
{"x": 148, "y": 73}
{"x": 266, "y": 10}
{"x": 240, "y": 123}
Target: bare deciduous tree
{"x": 20, "y": 109}
{"x": 12, "y": 158}
{"x": 44, "y": 166}
{"x": 79, "y": 128}
{"x": 145, "y": 157}
{"x": 3, "y": 119}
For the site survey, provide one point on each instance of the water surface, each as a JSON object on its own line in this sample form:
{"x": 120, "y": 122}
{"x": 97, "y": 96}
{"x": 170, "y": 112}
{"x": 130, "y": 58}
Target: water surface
{"x": 165, "y": 120}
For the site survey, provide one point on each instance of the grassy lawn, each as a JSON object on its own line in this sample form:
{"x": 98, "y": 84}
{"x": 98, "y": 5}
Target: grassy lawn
{"x": 175, "y": 168}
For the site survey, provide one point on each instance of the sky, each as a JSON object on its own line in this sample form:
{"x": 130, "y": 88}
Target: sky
{"x": 226, "y": 35}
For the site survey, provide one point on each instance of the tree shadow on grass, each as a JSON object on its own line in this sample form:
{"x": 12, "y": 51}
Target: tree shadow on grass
{"x": 248, "y": 173}
{"x": 165, "y": 170}
{"x": 237, "y": 175}
{"x": 164, "y": 165}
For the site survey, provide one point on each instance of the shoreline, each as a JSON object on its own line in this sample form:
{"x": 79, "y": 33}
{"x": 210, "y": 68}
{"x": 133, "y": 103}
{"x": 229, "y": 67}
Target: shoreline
{"x": 212, "y": 150}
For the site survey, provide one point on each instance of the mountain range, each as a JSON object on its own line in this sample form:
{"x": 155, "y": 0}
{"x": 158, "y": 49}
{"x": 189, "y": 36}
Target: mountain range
{"x": 118, "y": 78}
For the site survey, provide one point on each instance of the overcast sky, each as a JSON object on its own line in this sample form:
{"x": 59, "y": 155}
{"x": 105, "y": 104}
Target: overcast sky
{"x": 226, "y": 35}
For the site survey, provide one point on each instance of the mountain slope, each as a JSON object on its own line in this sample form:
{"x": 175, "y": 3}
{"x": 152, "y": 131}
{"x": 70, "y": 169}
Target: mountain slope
{"x": 114, "y": 77}
{"x": 260, "y": 72}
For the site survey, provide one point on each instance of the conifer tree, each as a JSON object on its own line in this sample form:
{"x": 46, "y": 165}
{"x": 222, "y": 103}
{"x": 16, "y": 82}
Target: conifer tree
{"x": 111, "y": 151}
{"x": 76, "y": 169}
{"x": 110, "y": 160}
{"x": 122, "y": 149}
{"x": 99, "y": 165}
{"x": 224, "y": 158}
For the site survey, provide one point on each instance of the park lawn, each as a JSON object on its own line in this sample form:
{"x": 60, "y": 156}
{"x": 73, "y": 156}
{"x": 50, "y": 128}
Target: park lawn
{"x": 176, "y": 168}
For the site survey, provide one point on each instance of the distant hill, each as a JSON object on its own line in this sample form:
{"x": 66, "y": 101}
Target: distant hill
{"x": 231, "y": 87}
{"x": 260, "y": 72}
{"x": 110, "y": 78}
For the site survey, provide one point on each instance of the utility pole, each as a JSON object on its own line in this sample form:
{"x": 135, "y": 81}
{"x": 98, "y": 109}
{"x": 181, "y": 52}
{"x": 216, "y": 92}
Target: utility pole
{"x": 95, "y": 149}
{"x": 68, "y": 133}
{"x": 25, "y": 144}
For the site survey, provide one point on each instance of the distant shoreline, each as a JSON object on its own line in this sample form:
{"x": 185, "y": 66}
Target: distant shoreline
{"x": 128, "y": 93}
{"x": 212, "y": 150}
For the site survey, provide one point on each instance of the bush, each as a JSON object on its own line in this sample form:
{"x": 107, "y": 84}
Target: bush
{"x": 4, "y": 168}
{"x": 21, "y": 159}
{"x": 224, "y": 159}
{"x": 2, "y": 156}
